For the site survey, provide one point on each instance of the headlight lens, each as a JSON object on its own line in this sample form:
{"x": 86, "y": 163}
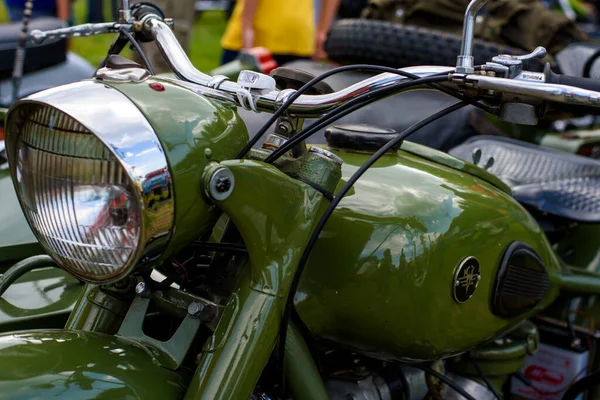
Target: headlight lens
{"x": 92, "y": 179}
{"x": 78, "y": 196}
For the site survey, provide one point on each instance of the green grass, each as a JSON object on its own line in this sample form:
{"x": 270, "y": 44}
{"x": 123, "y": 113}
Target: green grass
{"x": 204, "y": 51}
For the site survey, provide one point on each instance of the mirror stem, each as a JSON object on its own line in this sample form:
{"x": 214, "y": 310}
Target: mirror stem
{"x": 125, "y": 12}
{"x": 464, "y": 64}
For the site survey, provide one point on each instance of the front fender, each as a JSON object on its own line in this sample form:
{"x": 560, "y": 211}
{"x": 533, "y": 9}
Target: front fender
{"x": 80, "y": 365}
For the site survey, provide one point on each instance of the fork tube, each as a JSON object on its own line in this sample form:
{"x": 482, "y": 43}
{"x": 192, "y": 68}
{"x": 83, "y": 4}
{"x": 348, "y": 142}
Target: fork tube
{"x": 275, "y": 216}
{"x": 230, "y": 369}
{"x": 300, "y": 369}
{"x": 97, "y": 311}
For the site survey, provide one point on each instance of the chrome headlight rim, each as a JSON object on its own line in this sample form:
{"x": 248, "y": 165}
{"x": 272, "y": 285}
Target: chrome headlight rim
{"x": 131, "y": 140}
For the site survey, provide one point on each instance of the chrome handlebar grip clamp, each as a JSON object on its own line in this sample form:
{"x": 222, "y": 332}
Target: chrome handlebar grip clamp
{"x": 464, "y": 63}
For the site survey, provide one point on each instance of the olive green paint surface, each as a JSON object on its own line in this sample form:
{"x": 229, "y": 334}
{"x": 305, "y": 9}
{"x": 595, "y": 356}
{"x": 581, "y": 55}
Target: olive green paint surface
{"x": 275, "y": 215}
{"x": 97, "y": 311}
{"x": 193, "y": 130}
{"x": 76, "y": 365}
{"x": 453, "y": 162}
{"x": 42, "y": 298}
{"x": 380, "y": 278}
{"x": 16, "y": 239}
{"x": 300, "y": 370}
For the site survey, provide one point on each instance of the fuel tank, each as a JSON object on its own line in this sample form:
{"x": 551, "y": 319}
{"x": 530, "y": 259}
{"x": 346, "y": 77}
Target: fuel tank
{"x": 420, "y": 260}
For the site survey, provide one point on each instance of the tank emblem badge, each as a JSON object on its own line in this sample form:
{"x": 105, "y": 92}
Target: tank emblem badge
{"x": 466, "y": 279}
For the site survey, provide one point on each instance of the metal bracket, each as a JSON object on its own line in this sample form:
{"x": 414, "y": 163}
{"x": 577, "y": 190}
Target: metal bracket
{"x": 169, "y": 354}
{"x": 289, "y": 126}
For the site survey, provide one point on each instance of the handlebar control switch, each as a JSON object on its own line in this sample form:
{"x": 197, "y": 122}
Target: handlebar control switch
{"x": 514, "y": 64}
{"x": 255, "y": 81}
{"x": 252, "y": 85}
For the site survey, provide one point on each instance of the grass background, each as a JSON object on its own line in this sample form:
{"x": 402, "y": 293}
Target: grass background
{"x": 205, "y": 51}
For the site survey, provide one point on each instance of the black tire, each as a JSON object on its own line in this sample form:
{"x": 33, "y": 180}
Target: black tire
{"x": 351, "y": 8}
{"x": 357, "y": 41}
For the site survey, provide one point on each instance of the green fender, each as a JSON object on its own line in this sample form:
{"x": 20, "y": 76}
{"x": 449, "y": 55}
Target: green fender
{"x": 65, "y": 364}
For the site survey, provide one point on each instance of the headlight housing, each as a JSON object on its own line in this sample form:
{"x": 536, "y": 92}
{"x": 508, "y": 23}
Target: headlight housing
{"x": 96, "y": 192}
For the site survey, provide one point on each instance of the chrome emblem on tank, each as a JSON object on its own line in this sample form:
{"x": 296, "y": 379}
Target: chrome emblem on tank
{"x": 466, "y": 279}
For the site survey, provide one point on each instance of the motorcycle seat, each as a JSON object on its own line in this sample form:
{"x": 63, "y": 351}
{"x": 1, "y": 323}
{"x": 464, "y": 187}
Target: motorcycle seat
{"x": 37, "y": 57}
{"x": 551, "y": 181}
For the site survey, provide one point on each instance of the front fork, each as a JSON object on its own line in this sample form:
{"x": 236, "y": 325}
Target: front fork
{"x": 275, "y": 216}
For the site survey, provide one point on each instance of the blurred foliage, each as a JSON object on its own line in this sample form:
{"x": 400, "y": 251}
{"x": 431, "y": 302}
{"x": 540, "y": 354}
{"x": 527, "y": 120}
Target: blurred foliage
{"x": 205, "y": 51}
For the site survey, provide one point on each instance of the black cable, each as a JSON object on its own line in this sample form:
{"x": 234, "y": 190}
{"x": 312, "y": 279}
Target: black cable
{"x": 485, "y": 379}
{"x": 306, "y": 87}
{"x": 138, "y": 48}
{"x": 346, "y": 109}
{"x": 444, "y": 379}
{"x": 582, "y": 385}
{"x": 314, "y": 81}
{"x": 119, "y": 44}
{"x": 329, "y": 211}
{"x": 221, "y": 247}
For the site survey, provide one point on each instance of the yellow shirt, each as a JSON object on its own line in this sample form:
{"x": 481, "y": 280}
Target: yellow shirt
{"x": 282, "y": 26}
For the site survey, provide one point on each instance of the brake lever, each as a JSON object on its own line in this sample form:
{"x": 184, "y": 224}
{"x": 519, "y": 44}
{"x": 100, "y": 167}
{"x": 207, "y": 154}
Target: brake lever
{"x": 37, "y": 36}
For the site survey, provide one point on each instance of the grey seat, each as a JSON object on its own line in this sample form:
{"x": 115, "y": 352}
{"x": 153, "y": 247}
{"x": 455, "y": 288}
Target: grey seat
{"x": 552, "y": 181}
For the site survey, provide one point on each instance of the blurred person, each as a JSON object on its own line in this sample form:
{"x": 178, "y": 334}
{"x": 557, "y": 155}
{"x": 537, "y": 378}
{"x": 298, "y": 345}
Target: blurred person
{"x": 183, "y": 13}
{"x": 285, "y": 28}
{"x": 60, "y": 9}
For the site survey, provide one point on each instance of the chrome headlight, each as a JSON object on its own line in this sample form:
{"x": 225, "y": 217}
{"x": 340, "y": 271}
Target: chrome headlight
{"x": 92, "y": 179}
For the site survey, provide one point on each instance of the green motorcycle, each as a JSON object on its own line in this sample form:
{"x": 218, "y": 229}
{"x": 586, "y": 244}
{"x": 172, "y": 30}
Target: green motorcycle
{"x": 367, "y": 268}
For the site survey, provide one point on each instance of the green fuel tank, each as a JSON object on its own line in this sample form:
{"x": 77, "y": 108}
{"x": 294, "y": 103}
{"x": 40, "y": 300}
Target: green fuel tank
{"x": 426, "y": 257}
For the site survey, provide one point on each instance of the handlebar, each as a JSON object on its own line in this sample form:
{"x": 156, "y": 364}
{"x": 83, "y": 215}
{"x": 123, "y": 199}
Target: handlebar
{"x": 526, "y": 86}
{"x": 304, "y": 106}
{"x": 574, "y": 81}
